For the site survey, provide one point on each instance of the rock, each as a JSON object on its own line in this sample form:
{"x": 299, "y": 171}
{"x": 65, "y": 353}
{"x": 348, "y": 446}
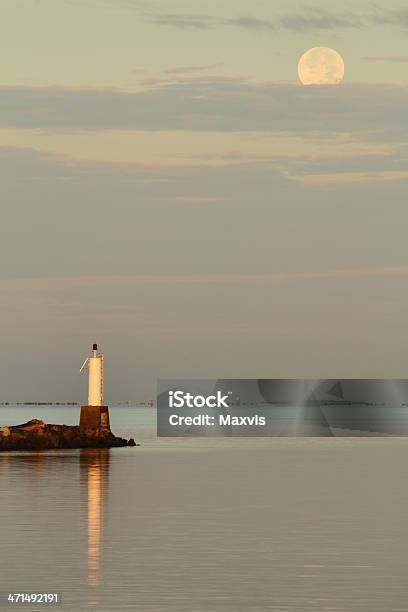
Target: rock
{"x": 32, "y": 425}
{"x": 37, "y": 436}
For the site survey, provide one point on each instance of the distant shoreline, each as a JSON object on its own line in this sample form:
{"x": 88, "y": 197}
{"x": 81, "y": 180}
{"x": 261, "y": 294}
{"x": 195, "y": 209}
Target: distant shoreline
{"x": 129, "y": 404}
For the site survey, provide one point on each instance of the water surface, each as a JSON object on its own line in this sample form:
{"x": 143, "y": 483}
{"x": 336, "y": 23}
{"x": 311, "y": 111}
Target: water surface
{"x": 197, "y": 525}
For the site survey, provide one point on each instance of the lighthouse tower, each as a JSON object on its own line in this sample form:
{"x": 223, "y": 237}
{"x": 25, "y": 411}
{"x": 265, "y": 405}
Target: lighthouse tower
{"x": 94, "y": 416}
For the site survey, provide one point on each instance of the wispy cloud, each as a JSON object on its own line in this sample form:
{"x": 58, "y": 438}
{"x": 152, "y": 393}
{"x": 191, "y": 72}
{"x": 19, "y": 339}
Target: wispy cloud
{"x": 180, "y": 20}
{"x": 308, "y": 18}
{"x": 206, "y": 22}
{"x": 205, "y": 80}
{"x": 250, "y": 23}
{"x": 403, "y": 59}
{"x": 190, "y": 69}
{"x": 396, "y": 17}
{"x": 187, "y": 225}
{"x": 321, "y": 19}
{"x": 211, "y": 103}
{"x": 342, "y": 178}
{"x": 89, "y": 282}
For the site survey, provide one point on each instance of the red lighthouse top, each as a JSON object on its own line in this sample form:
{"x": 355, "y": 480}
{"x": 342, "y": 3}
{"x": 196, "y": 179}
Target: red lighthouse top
{"x": 94, "y": 347}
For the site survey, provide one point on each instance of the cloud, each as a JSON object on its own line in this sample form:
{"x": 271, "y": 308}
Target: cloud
{"x": 388, "y": 58}
{"x": 251, "y": 23}
{"x": 340, "y": 169}
{"x": 396, "y": 17}
{"x": 309, "y": 18}
{"x": 29, "y": 164}
{"x": 121, "y": 5}
{"x": 321, "y": 19}
{"x": 340, "y": 178}
{"x": 206, "y": 22}
{"x": 205, "y": 80}
{"x": 210, "y": 104}
{"x": 312, "y": 18}
{"x": 100, "y": 233}
{"x": 90, "y": 282}
{"x": 179, "y": 20}
{"x": 181, "y": 183}
{"x": 190, "y": 69}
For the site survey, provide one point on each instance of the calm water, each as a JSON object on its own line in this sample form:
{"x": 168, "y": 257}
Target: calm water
{"x": 219, "y": 525}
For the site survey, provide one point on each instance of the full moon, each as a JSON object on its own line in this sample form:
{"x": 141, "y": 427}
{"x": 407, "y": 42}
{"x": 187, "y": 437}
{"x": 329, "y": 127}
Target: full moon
{"x": 321, "y": 66}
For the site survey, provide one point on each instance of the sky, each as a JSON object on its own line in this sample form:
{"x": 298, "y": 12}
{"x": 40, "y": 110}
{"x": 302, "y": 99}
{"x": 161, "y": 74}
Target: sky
{"x": 170, "y": 190}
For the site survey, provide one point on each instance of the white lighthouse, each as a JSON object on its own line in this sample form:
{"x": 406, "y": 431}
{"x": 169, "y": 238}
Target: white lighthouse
{"x": 94, "y": 416}
{"x": 95, "y": 377}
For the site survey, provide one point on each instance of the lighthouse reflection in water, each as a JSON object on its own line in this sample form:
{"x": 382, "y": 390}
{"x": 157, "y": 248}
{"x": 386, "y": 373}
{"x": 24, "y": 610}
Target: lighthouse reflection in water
{"x": 94, "y": 465}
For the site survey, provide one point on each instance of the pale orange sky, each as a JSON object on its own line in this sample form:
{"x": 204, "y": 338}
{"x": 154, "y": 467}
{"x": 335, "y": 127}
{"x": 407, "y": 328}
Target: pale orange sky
{"x": 162, "y": 170}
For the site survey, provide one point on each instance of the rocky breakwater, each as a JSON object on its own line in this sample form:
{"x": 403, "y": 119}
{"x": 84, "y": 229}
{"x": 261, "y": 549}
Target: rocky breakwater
{"x": 37, "y": 436}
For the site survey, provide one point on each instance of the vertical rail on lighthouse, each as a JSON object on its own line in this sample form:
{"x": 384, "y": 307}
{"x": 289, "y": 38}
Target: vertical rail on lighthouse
{"x": 95, "y": 416}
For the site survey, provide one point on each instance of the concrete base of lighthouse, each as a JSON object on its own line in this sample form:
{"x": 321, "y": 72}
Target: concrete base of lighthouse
{"x": 95, "y": 419}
